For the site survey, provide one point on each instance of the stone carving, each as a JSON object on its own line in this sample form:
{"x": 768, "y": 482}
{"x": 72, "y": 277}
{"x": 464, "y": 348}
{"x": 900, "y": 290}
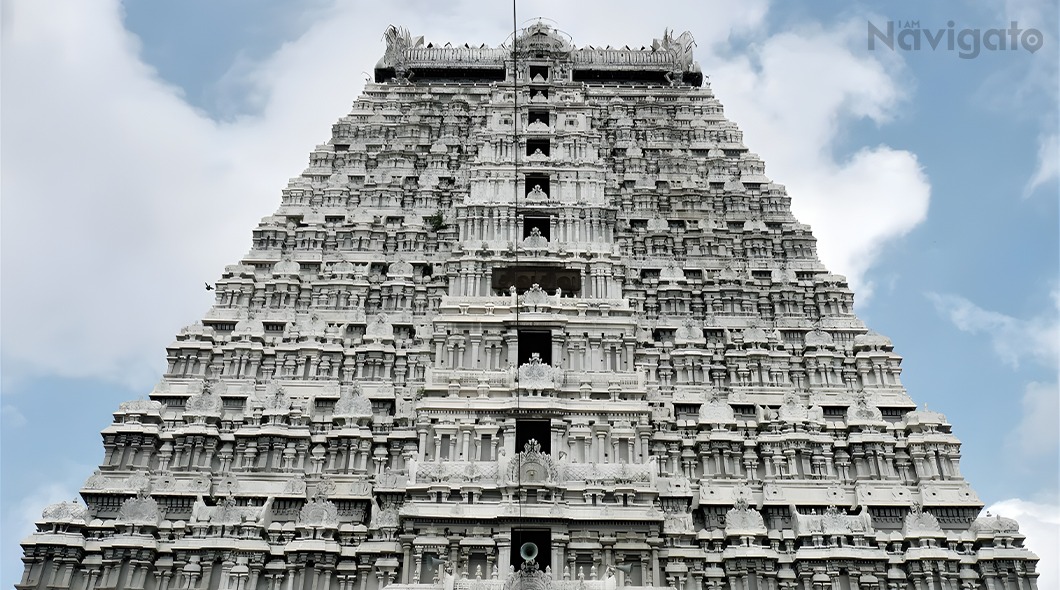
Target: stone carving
{"x": 832, "y": 522}
{"x": 772, "y": 491}
{"x": 689, "y": 331}
{"x": 536, "y": 194}
{"x": 276, "y": 400}
{"x": 608, "y": 473}
{"x": 536, "y": 376}
{"x": 199, "y": 483}
{"x": 380, "y": 328}
{"x": 872, "y": 341}
{"x": 399, "y": 269}
{"x": 658, "y": 224}
{"x": 678, "y": 522}
{"x": 205, "y": 404}
{"x": 716, "y": 411}
{"x": 66, "y": 512}
{"x": 228, "y": 513}
{"x": 793, "y": 409}
{"x": 535, "y": 296}
{"x": 96, "y": 481}
{"x": 680, "y": 46}
{"x": 353, "y": 405}
{"x": 325, "y": 487}
{"x": 864, "y": 409}
{"x": 342, "y": 268}
{"x": 742, "y": 520}
{"x": 228, "y": 486}
{"x": 528, "y": 580}
{"x": 139, "y": 511}
{"x": 140, "y": 406}
{"x": 535, "y": 241}
{"x": 920, "y": 524}
{"x": 286, "y": 267}
{"x": 819, "y": 339}
{"x": 385, "y": 520}
{"x": 320, "y": 514}
{"x": 755, "y": 337}
{"x": 296, "y": 486}
{"x": 671, "y": 272}
{"x": 993, "y": 525}
{"x": 139, "y": 481}
{"x": 398, "y": 42}
{"x": 532, "y": 466}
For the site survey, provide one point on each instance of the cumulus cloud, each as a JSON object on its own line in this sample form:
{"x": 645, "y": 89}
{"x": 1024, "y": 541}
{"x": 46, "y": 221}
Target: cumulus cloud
{"x": 1013, "y": 339}
{"x": 1040, "y": 523}
{"x": 120, "y": 199}
{"x": 792, "y": 96}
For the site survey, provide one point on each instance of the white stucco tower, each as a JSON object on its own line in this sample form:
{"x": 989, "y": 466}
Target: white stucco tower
{"x": 533, "y": 316}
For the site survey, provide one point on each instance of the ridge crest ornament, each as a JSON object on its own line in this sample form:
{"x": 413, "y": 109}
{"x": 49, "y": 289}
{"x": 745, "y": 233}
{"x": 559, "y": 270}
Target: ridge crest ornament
{"x": 529, "y": 293}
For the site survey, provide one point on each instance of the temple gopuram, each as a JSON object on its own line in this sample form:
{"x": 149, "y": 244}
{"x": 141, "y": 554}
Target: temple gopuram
{"x": 533, "y": 317}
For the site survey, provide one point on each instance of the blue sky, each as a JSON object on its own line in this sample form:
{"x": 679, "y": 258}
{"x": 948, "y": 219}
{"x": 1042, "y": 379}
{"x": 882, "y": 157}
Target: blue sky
{"x": 142, "y": 141}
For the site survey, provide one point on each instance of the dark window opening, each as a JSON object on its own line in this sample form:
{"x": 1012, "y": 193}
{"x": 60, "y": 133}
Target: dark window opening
{"x": 621, "y": 77}
{"x": 536, "y": 184}
{"x": 663, "y": 335}
{"x": 533, "y": 145}
{"x": 535, "y": 342}
{"x": 635, "y": 576}
{"x": 465, "y": 75}
{"x": 537, "y": 117}
{"x": 536, "y": 71}
{"x": 542, "y": 538}
{"x": 539, "y": 430}
{"x": 445, "y": 442}
{"x": 430, "y": 569}
{"x": 541, "y": 223}
{"x": 548, "y": 278}
{"x": 478, "y": 566}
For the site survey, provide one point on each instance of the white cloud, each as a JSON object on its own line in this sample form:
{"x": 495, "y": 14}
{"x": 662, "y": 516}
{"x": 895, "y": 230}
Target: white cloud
{"x": 120, "y": 199}
{"x": 791, "y": 97}
{"x": 1013, "y": 339}
{"x": 1040, "y": 523}
{"x": 1037, "y": 432}
{"x": 1048, "y": 168}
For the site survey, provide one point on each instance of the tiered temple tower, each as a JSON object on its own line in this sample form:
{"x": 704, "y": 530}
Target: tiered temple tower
{"x": 533, "y": 316}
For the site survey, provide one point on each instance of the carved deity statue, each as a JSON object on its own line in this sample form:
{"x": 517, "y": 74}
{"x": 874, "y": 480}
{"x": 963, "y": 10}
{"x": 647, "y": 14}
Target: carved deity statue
{"x": 535, "y": 239}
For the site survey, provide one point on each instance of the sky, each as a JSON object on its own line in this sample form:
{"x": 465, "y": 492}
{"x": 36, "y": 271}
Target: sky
{"x": 141, "y": 142}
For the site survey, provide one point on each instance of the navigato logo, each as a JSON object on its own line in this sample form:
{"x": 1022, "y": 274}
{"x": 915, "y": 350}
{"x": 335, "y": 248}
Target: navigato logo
{"x": 968, "y": 43}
